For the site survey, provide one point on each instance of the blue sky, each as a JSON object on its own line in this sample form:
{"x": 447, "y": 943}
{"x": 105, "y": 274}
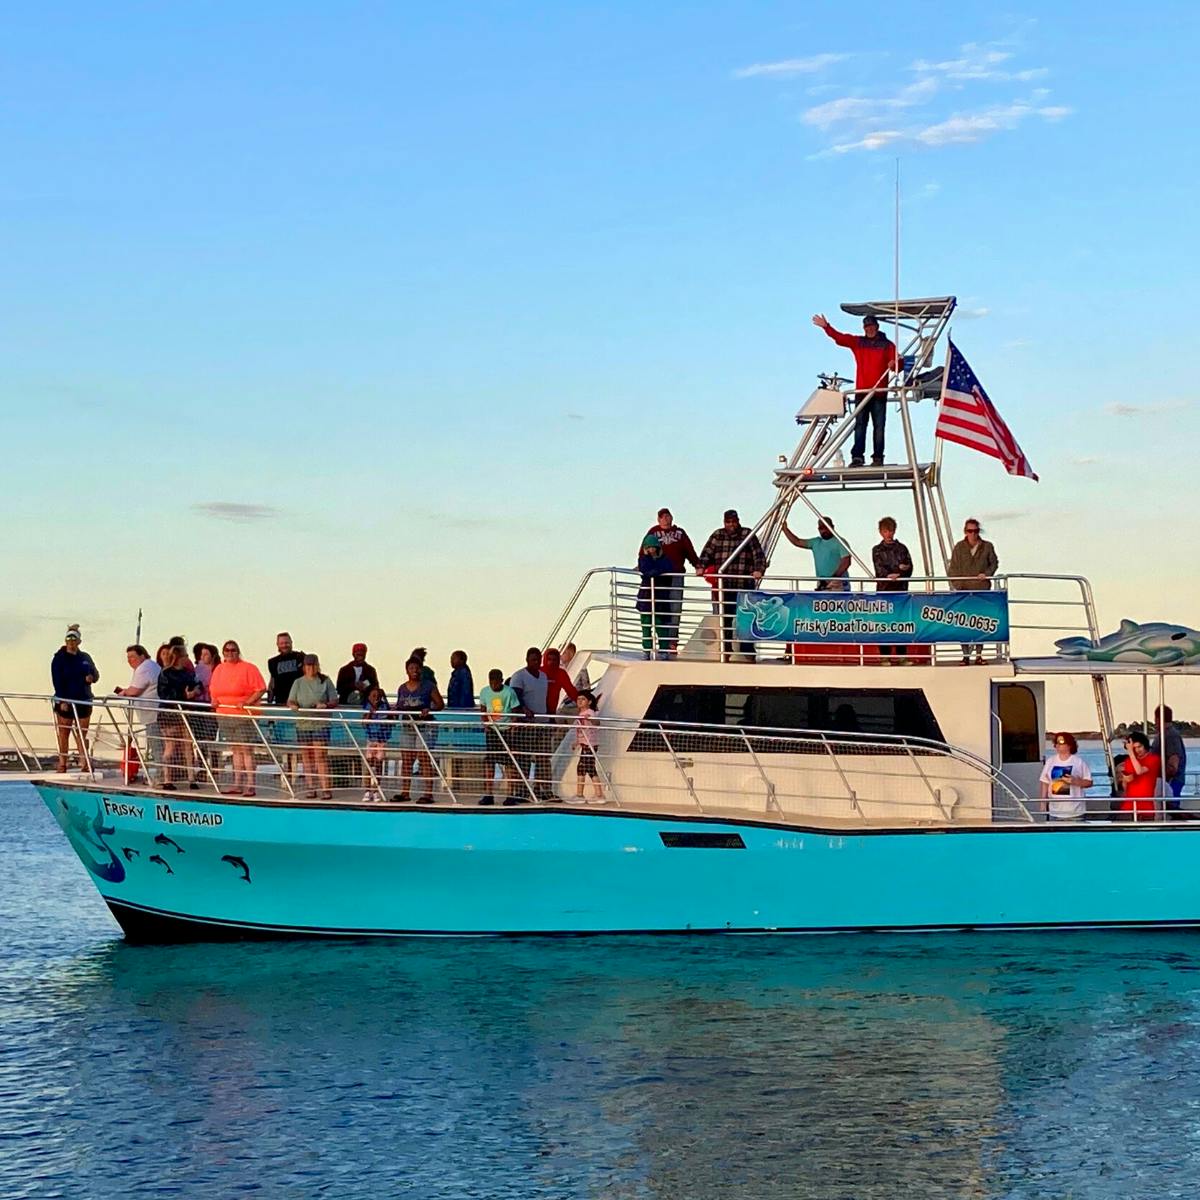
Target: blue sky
{"x": 444, "y": 303}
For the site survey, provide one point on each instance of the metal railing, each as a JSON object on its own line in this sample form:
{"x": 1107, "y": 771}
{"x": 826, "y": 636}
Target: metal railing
{"x": 465, "y": 758}
{"x": 696, "y": 620}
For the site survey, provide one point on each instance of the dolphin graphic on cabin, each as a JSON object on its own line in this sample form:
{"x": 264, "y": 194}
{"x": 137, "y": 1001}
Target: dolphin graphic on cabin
{"x": 161, "y": 839}
{"x": 770, "y": 615}
{"x": 1153, "y": 644}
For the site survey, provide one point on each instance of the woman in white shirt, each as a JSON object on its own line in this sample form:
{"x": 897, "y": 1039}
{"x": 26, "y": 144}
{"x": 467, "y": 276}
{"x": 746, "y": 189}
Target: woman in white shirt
{"x": 1064, "y": 780}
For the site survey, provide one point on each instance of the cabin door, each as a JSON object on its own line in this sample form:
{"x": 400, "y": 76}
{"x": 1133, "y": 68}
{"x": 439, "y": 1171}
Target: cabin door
{"x": 1019, "y": 733}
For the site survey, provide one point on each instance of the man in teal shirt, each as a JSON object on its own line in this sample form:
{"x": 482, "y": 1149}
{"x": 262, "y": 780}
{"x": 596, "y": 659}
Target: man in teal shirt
{"x": 830, "y": 556}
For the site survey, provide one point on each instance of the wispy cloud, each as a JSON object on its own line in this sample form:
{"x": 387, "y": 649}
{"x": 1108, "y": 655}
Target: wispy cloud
{"x": 230, "y": 510}
{"x": 1004, "y": 514}
{"x": 928, "y": 103}
{"x": 1086, "y": 460}
{"x": 1152, "y": 408}
{"x": 789, "y": 67}
{"x": 975, "y": 62}
{"x": 962, "y": 128}
{"x": 971, "y": 314}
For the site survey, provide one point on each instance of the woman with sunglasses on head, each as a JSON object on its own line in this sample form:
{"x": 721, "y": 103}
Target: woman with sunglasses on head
{"x": 973, "y": 562}
{"x": 235, "y": 686}
{"x": 1065, "y": 780}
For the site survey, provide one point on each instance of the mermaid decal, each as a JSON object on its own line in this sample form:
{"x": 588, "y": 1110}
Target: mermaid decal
{"x": 87, "y": 836}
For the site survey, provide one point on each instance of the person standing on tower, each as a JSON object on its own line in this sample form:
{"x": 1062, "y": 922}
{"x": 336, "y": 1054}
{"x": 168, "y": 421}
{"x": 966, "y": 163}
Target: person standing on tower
{"x": 874, "y": 357}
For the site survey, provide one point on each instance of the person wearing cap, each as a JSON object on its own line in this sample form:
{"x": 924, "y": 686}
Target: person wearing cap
{"x": 654, "y": 597}
{"x": 677, "y": 548}
{"x": 72, "y": 674}
{"x": 734, "y": 558}
{"x": 314, "y": 692}
{"x": 831, "y": 558}
{"x": 357, "y": 677}
{"x": 874, "y": 357}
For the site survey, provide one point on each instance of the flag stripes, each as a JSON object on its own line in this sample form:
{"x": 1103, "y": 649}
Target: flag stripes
{"x": 968, "y": 417}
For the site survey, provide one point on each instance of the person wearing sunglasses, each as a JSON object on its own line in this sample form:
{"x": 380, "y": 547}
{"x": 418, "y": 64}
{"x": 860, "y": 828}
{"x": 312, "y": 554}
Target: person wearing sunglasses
{"x": 973, "y": 562}
{"x": 1065, "y": 780}
{"x": 235, "y": 686}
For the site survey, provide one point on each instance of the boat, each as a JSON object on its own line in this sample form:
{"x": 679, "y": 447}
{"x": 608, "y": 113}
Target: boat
{"x": 768, "y": 770}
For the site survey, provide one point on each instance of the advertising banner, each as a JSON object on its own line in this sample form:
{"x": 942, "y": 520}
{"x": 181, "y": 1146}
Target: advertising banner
{"x": 884, "y": 618}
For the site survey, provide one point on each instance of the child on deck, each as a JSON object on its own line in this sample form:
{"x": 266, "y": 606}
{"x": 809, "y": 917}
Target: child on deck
{"x": 376, "y": 720}
{"x": 585, "y": 740}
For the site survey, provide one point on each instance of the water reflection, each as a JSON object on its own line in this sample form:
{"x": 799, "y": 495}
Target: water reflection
{"x": 1030, "y": 1065}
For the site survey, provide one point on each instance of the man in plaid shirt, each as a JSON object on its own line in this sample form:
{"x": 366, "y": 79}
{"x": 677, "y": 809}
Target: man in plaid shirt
{"x": 742, "y": 573}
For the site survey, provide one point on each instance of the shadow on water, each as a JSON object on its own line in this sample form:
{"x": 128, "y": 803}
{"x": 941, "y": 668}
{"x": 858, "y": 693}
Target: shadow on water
{"x": 973, "y": 1065}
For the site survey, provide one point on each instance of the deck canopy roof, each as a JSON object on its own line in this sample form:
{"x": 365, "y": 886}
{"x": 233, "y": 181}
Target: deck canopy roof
{"x": 889, "y": 310}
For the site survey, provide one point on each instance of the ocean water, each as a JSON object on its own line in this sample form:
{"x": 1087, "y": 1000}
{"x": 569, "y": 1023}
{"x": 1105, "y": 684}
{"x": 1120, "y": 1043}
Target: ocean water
{"x": 1033, "y": 1065}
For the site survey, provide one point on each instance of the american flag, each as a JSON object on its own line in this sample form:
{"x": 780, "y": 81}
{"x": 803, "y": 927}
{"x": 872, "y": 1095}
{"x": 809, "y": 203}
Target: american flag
{"x": 969, "y": 418}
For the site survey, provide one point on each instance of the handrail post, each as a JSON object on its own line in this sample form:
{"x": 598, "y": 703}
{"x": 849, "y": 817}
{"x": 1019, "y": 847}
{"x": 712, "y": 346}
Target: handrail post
{"x": 934, "y": 792}
{"x": 287, "y": 783}
{"x": 433, "y": 762}
{"x": 842, "y": 775}
{"x": 37, "y": 762}
{"x": 516, "y": 765}
{"x": 687, "y": 779}
{"x": 359, "y": 750}
{"x": 199, "y": 752}
{"x": 772, "y": 803}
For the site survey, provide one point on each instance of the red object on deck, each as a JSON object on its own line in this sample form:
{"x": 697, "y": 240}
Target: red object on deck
{"x": 131, "y": 763}
{"x": 853, "y": 654}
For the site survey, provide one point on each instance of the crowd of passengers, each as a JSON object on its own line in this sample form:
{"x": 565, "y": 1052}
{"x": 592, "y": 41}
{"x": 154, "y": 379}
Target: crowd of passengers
{"x": 735, "y": 552}
{"x": 194, "y": 699}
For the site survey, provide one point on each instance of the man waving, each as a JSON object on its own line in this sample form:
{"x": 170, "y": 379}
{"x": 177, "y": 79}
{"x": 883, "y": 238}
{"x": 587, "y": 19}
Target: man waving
{"x": 874, "y": 357}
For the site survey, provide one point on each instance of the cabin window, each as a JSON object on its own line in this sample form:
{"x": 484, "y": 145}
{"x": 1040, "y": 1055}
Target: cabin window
{"x": 1018, "y": 712}
{"x": 904, "y": 712}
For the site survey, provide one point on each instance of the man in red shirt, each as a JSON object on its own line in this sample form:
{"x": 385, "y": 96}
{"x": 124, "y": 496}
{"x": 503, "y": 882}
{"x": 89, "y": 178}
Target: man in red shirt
{"x": 1142, "y": 771}
{"x": 557, "y": 681}
{"x": 874, "y": 357}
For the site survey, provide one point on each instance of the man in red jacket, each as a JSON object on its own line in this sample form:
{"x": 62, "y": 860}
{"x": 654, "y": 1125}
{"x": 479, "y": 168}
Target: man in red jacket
{"x": 874, "y": 357}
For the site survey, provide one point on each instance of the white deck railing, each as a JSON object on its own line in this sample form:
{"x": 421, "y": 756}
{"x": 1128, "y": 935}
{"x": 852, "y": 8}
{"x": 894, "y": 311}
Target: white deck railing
{"x": 458, "y": 758}
{"x": 602, "y": 612}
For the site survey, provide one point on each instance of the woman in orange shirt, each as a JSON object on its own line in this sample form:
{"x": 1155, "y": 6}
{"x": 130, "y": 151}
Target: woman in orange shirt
{"x": 235, "y": 686}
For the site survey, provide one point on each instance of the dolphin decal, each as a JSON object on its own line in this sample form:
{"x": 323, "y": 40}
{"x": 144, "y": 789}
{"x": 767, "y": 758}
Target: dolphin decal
{"x": 161, "y": 839}
{"x": 86, "y": 836}
{"x": 130, "y": 853}
{"x": 1155, "y": 643}
{"x": 158, "y": 858}
{"x": 770, "y": 614}
{"x": 238, "y": 864}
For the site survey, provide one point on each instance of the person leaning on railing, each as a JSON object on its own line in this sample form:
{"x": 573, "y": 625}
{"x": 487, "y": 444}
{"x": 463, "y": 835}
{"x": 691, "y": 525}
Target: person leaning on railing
{"x": 497, "y": 701}
{"x": 177, "y": 684}
{"x": 236, "y": 686}
{"x": 654, "y": 598}
{"x": 416, "y": 699}
{"x": 741, "y": 570}
{"x": 973, "y": 562}
{"x": 313, "y": 691}
{"x": 72, "y": 674}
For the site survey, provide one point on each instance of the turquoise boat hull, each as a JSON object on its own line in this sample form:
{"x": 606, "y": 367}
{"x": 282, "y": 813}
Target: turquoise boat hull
{"x": 178, "y": 870}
